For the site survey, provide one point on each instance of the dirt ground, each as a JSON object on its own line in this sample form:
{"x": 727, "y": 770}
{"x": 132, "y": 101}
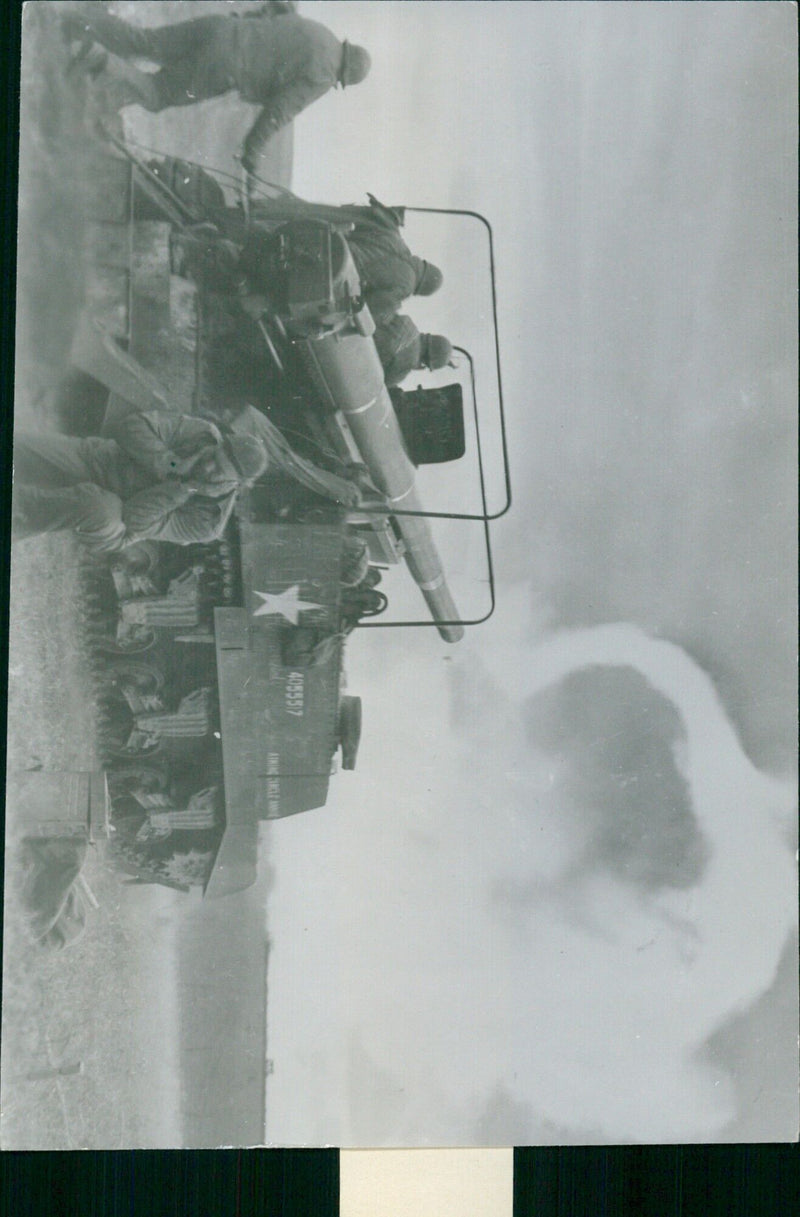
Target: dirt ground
{"x": 111, "y": 1009}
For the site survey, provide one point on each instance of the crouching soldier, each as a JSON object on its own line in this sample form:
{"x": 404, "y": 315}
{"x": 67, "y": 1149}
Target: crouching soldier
{"x": 163, "y": 477}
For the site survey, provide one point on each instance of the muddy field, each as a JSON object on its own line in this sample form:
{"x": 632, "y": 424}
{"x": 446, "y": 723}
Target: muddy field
{"x": 160, "y": 996}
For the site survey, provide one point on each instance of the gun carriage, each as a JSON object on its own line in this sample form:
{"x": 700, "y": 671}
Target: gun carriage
{"x": 219, "y": 667}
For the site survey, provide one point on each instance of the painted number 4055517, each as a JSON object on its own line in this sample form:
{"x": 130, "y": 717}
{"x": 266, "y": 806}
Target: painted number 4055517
{"x": 294, "y": 693}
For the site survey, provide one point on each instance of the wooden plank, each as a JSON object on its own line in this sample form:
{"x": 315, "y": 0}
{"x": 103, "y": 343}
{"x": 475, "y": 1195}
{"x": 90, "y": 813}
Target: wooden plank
{"x": 108, "y": 189}
{"x": 107, "y": 290}
{"x": 163, "y": 315}
{"x": 107, "y": 244}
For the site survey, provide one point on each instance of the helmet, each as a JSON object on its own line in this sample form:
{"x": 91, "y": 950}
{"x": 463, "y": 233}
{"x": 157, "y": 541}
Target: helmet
{"x": 356, "y": 63}
{"x": 436, "y": 352}
{"x": 247, "y": 454}
{"x": 429, "y": 279}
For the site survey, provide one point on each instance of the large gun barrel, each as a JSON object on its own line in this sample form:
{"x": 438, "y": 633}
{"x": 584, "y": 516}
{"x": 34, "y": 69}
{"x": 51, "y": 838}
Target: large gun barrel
{"x": 346, "y": 368}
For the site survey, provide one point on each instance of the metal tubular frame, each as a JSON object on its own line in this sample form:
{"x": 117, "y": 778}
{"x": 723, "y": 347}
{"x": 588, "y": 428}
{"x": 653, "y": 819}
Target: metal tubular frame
{"x": 476, "y": 215}
{"x": 447, "y": 515}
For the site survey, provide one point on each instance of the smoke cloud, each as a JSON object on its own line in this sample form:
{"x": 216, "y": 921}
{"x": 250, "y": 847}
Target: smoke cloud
{"x": 497, "y": 949}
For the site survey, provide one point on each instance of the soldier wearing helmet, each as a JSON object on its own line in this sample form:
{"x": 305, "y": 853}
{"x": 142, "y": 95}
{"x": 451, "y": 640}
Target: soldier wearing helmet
{"x": 283, "y": 64}
{"x": 402, "y": 349}
{"x": 389, "y": 272}
{"x": 163, "y": 477}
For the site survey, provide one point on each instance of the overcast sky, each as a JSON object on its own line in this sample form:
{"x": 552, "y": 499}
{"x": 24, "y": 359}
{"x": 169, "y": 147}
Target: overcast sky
{"x": 525, "y": 914}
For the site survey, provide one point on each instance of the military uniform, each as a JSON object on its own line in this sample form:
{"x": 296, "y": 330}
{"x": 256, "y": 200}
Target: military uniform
{"x": 112, "y": 492}
{"x": 283, "y": 64}
{"x": 388, "y": 271}
{"x": 399, "y": 346}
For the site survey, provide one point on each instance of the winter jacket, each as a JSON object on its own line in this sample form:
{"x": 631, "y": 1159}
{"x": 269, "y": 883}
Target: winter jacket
{"x": 388, "y": 270}
{"x": 282, "y": 65}
{"x": 126, "y": 477}
{"x": 156, "y": 440}
{"x": 399, "y": 348}
{"x": 170, "y": 510}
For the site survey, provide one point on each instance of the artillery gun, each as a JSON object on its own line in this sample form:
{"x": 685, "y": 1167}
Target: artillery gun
{"x": 219, "y": 668}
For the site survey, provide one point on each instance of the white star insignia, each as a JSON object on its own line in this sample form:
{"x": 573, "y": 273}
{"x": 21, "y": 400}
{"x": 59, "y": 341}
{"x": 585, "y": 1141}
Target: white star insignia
{"x": 287, "y": 604}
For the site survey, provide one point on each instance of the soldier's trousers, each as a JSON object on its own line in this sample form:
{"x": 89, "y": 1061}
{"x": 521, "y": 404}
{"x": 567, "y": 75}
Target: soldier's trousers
{"x": 195, "y": 56}
{"x": 66, "y": 483}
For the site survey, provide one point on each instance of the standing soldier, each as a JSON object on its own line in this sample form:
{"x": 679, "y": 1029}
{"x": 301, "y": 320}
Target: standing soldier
{"x": 280, "y": 61}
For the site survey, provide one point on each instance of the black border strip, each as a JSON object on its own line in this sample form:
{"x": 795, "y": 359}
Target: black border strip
{"x": 657, "y": 1181}
{"x": 172, "y": 1183}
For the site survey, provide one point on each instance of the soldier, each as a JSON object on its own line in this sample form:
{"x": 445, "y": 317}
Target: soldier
{"x": 282, "y": 64}
{"x": 388, "y": 270}
{"x": 163, "y": 477}
{"x": 402, "y": 349}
